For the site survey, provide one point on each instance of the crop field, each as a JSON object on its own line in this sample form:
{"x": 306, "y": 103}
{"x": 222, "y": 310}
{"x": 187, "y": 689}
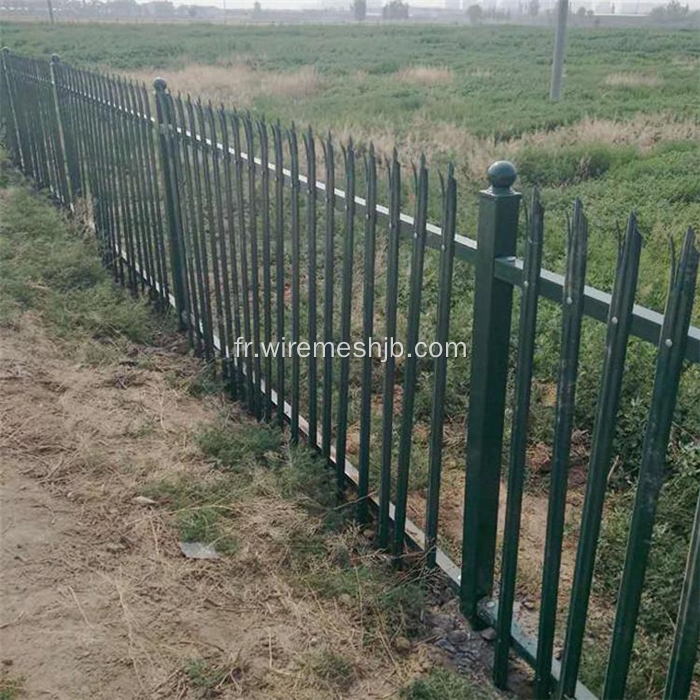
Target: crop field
{"x": 625, "y": 137}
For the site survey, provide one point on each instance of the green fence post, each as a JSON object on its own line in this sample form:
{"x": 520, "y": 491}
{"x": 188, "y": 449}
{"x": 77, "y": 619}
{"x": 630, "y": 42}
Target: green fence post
{"x": 68, "y": 163}
{"x": 172, "y": 196}
{"x": 493, "y": 301}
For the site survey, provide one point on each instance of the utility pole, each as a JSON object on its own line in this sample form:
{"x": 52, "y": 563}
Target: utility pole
{"x": 559, "y": 50}
{"x": 50, "y": 11}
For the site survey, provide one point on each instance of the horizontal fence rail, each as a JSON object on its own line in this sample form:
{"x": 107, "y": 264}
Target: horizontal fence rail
{"x": 239, "y": 226}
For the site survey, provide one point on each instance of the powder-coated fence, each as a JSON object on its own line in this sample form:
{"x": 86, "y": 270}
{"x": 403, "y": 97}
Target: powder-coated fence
{"x": 207, "y": 211}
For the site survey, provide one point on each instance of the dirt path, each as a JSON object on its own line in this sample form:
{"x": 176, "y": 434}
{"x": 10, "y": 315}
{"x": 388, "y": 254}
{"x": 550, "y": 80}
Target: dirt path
{"x": 82, "y": 566}
{"x": 98, "y": 602}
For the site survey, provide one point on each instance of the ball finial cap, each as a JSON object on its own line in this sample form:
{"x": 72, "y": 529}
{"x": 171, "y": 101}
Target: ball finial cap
{"x": 55, "y": 58}
{"x": 502, "y": 174}
{"x": 160, "y": 84}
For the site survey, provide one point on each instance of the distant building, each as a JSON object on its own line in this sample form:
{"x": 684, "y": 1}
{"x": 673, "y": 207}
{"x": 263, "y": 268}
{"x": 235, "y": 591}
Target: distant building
{"x": 123, "y": 8}
{"x": 160, "y": 9}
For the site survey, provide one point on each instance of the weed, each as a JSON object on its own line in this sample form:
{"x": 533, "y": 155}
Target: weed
{"x": 325, "y": 552}
{"x": 205, "y": 382}
{"x": 205, "y": 524}
{"x": 333, "y": 669}
{"x": 208, "y": 678}
{"x": 202, "y": 510}
{"x": 302, "y": 476}
{"x": 561, "y": 166}
{"x": 238, "y": 446}
{"x": 664, "y": 574}
{"x": 442, "y": 684}
{"x": 49, "y": 269}
{"x": 11, "y": 688}
{"x": 341, "y": 568}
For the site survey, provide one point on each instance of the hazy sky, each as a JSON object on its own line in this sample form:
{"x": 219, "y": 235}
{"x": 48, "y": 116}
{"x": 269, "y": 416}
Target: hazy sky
{"x": 299, "y": 4}
{"x": 296, "y": 4}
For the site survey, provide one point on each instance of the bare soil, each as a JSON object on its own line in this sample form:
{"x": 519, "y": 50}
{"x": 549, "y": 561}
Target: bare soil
{"x": 97, "y": 600}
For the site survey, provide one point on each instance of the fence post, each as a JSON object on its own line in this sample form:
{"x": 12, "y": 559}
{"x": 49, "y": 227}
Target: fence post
{"x": 493, "y": 301}
{"x": 67, "y": 167}
{"x": 172, "y": 196}
{"x": 16, "y": 138}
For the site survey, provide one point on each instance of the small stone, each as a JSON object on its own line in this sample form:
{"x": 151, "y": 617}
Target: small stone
{"x": 198, "y": 550}
{"x": 402, "y": 645}
{"x": 114, "y": 547}
{"x": 465, "y": 659}
{"x": 489, "y": 634}
{"x": 345, "y": 600}
{"x": 439, "y": 622}
{"x": 458, "y": 636}
{"x": 446, "y": 645}
{"x": 7, "y": 662}
{"x": 528, "y": 605}
{"x": 144, "y": 501}
{"x": 558, "y": 654}
{"x": 368, "y": 533}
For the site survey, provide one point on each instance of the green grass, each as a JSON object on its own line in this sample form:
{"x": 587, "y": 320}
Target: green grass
{"x": 206, "y": 678}
{"x": 443, "y": 684}
{"x": 497, "y": 92}
{"x": 202, "y": 511}
{"x": 11, "y": 687}
{"x": 50, "y": 270}
{"x": 328, "y": 555}
{"x": 666, "y": 567}
{"x": 239, "y": 447}
{"x": 331, "y": 668}
{"x": 494, "y": 67}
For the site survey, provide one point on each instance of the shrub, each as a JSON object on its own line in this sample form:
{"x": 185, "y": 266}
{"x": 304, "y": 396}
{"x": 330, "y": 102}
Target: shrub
{"x": 238, "y": 446}
{"x": 441, "y": 684}
{"x": 549, "y": 167}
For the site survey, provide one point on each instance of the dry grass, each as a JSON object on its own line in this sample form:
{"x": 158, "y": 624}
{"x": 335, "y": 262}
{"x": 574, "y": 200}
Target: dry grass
{"x": 239, "y": 84}
{"x": 481, "y": 72}
{"x": 687, "y": 62}
{"x": 426, "y": 75}
{"x": 473, "y": 154}
{"x": 632, "y": 80}
{"x": 165, "y": 627}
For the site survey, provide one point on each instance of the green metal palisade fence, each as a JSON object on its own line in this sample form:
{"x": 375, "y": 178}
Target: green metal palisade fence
{"x": 193, "y": 206}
